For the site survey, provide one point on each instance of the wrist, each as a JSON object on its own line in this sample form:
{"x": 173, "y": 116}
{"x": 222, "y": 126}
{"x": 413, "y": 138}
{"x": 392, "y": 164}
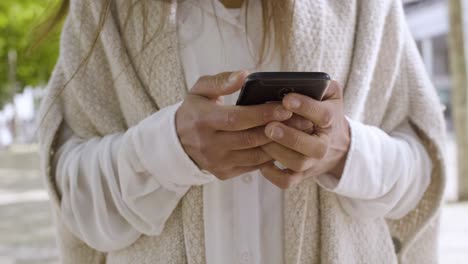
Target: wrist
{"x": 337, "y": 171}
{"x": 342, "y": 152}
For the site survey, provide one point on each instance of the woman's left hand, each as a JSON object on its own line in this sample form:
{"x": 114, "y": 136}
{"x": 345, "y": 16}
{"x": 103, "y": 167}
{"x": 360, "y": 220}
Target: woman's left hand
{"x": 324, "y": 150}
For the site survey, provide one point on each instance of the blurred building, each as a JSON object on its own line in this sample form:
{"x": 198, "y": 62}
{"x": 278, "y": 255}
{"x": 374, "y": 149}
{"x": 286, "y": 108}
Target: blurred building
{"x": 429, "y": 22}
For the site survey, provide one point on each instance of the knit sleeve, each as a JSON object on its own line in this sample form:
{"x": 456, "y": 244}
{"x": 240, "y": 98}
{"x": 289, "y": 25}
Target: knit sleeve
{"x": 109, "y": 195}
{"x": 82, "y": 93}
{"x": 418, "y": 229}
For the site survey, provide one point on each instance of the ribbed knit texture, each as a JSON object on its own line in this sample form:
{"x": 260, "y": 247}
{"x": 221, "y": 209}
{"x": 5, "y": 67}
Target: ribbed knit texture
{"x": 365, "y": 45}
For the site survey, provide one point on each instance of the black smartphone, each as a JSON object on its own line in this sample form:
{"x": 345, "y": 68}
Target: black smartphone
{"x": 264, "y": 87}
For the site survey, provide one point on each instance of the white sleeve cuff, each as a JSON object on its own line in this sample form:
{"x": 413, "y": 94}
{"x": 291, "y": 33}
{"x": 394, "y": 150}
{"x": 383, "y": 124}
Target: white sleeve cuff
{"x": 384, "y": 175}
{"x": 158, "y": 148}
{"x": 371, "y": 149}
{"x": 341, "y": 186}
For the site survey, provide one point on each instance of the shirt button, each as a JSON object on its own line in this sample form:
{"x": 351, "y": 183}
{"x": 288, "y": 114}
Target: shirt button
{"x": 247, "y": 179}
{"x": 245, "y": 257}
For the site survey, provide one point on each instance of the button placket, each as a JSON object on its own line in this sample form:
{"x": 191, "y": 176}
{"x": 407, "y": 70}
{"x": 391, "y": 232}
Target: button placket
{"x": 245, "y": 257}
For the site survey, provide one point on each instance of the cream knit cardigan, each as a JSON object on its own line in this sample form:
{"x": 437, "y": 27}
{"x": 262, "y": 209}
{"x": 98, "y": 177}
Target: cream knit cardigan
{"x": 364, "y": 44}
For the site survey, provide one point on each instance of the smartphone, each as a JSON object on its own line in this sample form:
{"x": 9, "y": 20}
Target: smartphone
{"x": 264, "y": 87}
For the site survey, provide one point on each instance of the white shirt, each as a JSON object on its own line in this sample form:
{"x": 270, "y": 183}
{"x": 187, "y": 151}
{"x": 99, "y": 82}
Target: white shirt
{"x": 241, "y": 215}
{"x": 123, "y": 185}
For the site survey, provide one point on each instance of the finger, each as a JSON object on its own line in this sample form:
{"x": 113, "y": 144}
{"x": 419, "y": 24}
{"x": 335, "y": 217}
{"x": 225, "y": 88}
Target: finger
{"x": 244, "y": 139}
{"x": 314, "y": 146}
{"x": 248, "y": 157}
{"x": 300, "y": 123}
{"x": 319, "y": 112}
{"x": 289, "y": 158}
{"x": 284, "y": 179}
{"x": 220, "y": 84}
{"x": 334, "y": 91}
{"x": 236, "y": 118}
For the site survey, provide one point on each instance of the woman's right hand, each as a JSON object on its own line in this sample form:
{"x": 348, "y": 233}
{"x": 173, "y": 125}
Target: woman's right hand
{"x": 225, "y": 140}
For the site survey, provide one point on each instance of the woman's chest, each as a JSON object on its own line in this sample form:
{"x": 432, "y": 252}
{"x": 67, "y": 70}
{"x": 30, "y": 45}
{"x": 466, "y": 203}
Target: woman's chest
{"x": 322, "y": 39}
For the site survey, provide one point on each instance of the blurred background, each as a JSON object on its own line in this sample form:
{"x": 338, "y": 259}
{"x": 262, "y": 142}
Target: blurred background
{"x": 440, "y": 28}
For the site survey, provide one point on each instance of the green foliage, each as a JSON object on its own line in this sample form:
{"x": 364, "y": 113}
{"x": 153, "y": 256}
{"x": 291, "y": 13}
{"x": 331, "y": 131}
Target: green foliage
{"x": 18, "y": 20}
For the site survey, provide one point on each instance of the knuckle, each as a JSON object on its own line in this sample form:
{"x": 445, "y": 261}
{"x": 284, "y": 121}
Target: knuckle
{"x": 266, "y": 114}
{"x": 321, "y": 150}
{"x": 295, "y": 140}
{"x": 309, "y": 107}
{"x": 301, "y": 164}
{"x": 249, "y": 139}
{"x": 263, "y": 113}
{"x": 326, "y": 118}
{"x": 256, "y": 157}
{"x": 280, "y": 113}
{"x": 217, "y": 80}
{"x": 269, "y": 112}
{"x": 231, "y": 118}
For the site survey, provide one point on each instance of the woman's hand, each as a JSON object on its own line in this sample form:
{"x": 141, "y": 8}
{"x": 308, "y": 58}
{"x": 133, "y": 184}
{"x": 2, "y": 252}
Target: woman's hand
{"x": 225, "y": 140}
{"x": 309, "y": 154}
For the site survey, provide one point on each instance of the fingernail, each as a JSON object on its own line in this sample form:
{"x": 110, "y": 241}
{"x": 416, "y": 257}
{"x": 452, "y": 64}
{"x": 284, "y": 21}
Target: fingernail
{"x": 234, "y": 77}
{"x": 276, "y": 132}
{"x": 293, "y": 102}
{"x": 282, "y": 113}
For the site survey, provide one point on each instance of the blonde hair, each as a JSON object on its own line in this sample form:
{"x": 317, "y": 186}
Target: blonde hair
{"x": 277, "y": 22}
{"x": 277, "y": 28}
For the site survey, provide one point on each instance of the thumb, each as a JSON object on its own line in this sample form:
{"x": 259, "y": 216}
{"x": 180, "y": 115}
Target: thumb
{"x": 220, "y": 84}
{"x": 334, "y": 91}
